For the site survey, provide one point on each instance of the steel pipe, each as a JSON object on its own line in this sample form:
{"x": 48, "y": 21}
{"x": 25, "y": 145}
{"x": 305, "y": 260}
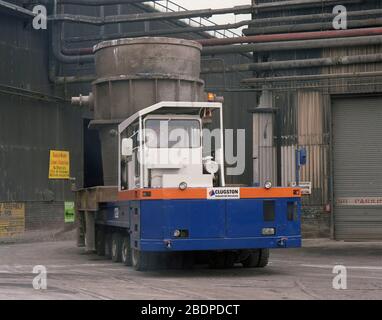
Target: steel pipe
{"x": 313, "y": 77}
{"x": 293, "y": 36}
{"x": 285, "y": 45}
{"x": 298, "y": 4}
{"x": 294, "y": 45}
{"x": 266, "y": 47}
{"x": 296, "y": 64}
{"x": 309, "y": 17}
{"x": 63, "y": 80}
{"x": 160, "y": 32}
{"x": 260, "y": 88}
{"x": 60, "y": 56}
{"x": 373, "y": 22}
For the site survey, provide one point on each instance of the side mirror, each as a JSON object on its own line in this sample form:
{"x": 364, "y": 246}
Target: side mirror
{"x": 127, "y": 147}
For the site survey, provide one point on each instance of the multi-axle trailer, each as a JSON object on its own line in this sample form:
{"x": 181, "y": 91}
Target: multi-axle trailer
{"x": 172, "y": 206}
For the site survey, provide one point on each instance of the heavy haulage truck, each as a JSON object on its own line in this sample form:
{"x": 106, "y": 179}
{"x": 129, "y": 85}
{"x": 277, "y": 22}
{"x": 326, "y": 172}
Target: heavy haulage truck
{"x": 165, "y": 202}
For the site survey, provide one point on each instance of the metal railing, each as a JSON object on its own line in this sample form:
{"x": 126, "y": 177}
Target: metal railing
{"x": 170, "y": 6}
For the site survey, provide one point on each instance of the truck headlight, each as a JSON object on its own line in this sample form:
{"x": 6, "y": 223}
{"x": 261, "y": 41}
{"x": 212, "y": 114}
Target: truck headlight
{"x": 211, "y": 166}
{"x": 177, "y": 233}
{"x": 183, "y": 186}
{"x": 268, "y": 231}
{"x": 268, "y": 184}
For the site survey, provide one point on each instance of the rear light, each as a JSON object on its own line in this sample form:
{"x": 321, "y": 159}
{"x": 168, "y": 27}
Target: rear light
{"x": 181, "y": 233}
{"x": 268, "y": 231}
{"x": 177, "y": 233}
{"x": 211, "y": 97}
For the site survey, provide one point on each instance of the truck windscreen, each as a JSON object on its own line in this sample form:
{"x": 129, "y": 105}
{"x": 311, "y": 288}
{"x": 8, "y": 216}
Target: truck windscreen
{"x": 172, "y": 133}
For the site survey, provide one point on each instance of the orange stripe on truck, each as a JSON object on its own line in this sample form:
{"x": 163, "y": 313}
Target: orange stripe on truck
{"x": 201, "y": 193}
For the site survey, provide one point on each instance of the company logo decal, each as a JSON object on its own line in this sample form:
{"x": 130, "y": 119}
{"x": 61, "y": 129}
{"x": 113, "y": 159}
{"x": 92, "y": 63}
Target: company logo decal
{"x": 223, "y": 193}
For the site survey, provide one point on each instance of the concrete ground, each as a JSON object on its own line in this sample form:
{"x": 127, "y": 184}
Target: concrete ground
{"x": 292, "y": 274}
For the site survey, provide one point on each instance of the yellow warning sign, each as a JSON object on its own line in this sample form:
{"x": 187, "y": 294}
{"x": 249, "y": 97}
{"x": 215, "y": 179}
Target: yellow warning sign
{"x": 59, "y": 165}
{"x": 12, "y": 219}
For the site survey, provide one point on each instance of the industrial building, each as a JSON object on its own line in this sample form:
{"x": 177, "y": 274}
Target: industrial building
{"x": 291, "y": 81}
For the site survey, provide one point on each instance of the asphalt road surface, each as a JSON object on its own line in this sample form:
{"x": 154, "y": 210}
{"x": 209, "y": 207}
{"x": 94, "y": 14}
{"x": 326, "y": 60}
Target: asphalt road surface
{"x": 305, "y": 273}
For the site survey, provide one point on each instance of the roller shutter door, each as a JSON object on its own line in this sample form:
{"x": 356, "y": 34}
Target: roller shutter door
{"x": 357, "y": 168}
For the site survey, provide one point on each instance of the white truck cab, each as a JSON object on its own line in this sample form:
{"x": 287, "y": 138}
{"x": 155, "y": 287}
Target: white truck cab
{"x": 167, "y": 146}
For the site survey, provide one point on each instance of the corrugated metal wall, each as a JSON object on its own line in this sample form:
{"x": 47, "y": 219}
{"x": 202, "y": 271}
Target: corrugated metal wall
{"x": 312, "y": 110}
{"x": 264, "y": 149}
{"x": 28, "y": 131}
{"x": 29, "y": 128}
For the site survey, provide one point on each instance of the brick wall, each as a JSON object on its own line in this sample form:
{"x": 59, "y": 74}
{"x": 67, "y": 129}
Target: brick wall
{"x": 44, "y": 215}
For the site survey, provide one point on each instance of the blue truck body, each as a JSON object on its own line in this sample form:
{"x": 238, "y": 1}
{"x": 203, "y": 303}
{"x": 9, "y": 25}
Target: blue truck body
{"x": 206, "y": 225}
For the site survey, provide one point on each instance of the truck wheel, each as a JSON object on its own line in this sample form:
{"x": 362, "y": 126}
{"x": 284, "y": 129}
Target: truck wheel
{"x": 252, "y": 260}
{"x": 222, "y": 260}
{"x": 126, "y": 251}
{"x": 188, "y": 260}
{"x": 175, "y": 261}
{"x": 100, "y": 241}
{"x": 264, "y": 258}
{"x": 139, "y": 260}
{"x": 108, "y": 245}
{"x": 229, "y": 259}
{"x": 116, "y": 244}
{"x": 217, "y": 260}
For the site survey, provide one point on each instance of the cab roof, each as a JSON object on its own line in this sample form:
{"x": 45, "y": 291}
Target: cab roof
{"x": 170, "y": 107}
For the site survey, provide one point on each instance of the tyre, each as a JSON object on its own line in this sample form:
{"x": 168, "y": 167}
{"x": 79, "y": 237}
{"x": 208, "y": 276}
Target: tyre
{"x": 126, "y": 251}
{"x": 188, "y": 260}
{"x": 252, "y": 260}
{"x": 264, "y": 258}
{"x": 175, "y": 261}
{"x": 100, "y": 241}
{"x": 140, "y": 260}
{"x": 116, "y": 244}
{"x": 217, "y": 260}
{"x": 257, "y": 259}
{"x": 222, "y": 260}
{"x": 229, "y": 259}
{"x": 108, "y": 245}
